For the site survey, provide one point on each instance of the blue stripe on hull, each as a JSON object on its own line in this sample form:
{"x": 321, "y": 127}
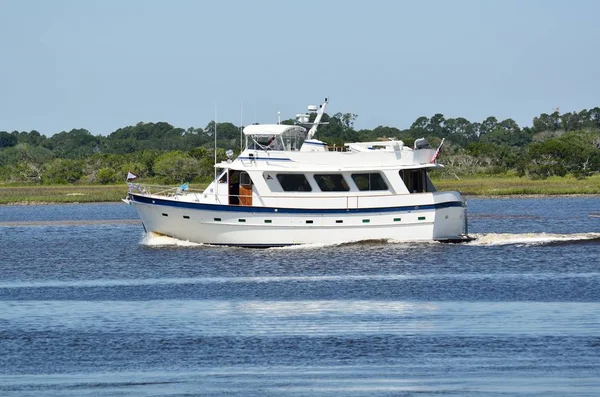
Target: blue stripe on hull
{"x": 278, "y": 210}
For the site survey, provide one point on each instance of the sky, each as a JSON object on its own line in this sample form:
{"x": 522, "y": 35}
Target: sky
{"x": 105, "y": 64}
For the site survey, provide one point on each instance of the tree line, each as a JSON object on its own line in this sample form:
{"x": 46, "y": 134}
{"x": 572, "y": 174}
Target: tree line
{"x": 555, "y": 144}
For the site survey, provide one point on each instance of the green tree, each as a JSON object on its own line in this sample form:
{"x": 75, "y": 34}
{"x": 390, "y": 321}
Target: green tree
{"x": 435, "y": 126}
{"x": 107, "y": 175}
{"x": 574, "y": 152}
{"x": 75, "y": 144}
{"x": 176, "y": 167}
{"x": 487, "y": 126}
{"x": 62, "y": 171}
{"x": 7, "y": 140}
{"x": 33, "y": 138}
{"x": 420, "y": 124}
{"x": 32, "y": 162}
{"x": 594, "y": 118}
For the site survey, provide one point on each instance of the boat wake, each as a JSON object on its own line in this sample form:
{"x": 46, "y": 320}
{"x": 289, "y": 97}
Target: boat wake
{"x": 483, "y": 239}
{"x": 160, "y": 240}
{"x": 529, "y": 239}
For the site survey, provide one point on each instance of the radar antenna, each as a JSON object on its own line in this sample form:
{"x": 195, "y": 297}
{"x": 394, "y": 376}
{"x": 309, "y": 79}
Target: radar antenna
{"x": 303, "y": 119}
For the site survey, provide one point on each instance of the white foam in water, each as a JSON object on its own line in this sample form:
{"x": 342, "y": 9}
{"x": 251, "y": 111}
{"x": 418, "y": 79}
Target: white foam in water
{"x": 158, "y": 240}
{"x": 490, "y": 239}
{"x": 483, "y": 239}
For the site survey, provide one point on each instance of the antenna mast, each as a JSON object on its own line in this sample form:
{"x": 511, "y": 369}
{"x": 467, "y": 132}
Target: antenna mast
{"x": 216, "y": 182}
{"x": 241, "y": 126}
{"x": 320, "y": 111}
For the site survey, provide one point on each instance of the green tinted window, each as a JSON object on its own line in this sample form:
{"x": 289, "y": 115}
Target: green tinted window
{"x": 294, "y": 182}
{"x": 331, "y": 182}
{"x": 371, "y": 181}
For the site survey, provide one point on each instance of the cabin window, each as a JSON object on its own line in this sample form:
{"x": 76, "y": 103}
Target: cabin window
{"x": 294, "y": 182}
{"x": 331, "y": 182}
{"x": 245, "y": 179}
{"x": 415, "y": 180}
{"x": 372, "y": 181}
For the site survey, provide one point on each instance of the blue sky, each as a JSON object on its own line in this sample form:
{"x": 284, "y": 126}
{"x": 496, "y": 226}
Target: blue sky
{"x": 105, "y": 64}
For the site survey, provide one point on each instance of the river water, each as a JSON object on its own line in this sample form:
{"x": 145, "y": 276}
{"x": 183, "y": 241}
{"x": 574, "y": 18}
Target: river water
{"x": 91, "y": 306}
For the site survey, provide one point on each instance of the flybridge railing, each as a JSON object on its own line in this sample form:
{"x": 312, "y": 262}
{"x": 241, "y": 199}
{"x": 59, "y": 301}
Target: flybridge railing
{"x": 161, "y": 190}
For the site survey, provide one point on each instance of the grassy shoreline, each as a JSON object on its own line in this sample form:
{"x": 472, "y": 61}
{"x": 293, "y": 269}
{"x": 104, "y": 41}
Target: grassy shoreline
{"x": 491, "y": 186}
{"x": 515, "y": 186}
{"x": 61, "y": 194}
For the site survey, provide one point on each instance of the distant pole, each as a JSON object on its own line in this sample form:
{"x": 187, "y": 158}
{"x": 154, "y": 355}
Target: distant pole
{"x": 241, "y": 126}
{"x": 278, "y": 117}
{"x": 216, "y": 182}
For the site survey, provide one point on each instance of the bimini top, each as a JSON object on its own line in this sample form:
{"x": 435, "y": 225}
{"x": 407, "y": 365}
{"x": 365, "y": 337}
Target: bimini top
{"x": 273, "y": 129}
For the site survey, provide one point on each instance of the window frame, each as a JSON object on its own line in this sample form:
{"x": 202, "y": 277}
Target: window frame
{"x": 321, "y": 178}
{"x": 370, "y": 184}
{"x": 286, "y": 187}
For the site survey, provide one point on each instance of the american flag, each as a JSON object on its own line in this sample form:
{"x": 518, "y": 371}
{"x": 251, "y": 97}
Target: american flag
{"x": 437, "y": 151}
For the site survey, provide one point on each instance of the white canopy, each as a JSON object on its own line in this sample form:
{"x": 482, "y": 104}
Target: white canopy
{"x": 272, "y": 129}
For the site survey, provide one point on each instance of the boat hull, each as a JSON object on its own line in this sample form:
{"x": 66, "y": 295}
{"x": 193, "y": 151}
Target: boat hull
{"x": 271, "y": 227}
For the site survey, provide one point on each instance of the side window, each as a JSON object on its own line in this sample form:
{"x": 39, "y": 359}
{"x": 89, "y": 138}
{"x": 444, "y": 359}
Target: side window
{"x": 415, "y": 180}
{"x": 331, "y": 182}
{"x": 294, "y": 182}
{"x": 372, "y": 181}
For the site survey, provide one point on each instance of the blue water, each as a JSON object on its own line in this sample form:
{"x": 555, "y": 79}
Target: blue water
{"x": 91, "y": 306}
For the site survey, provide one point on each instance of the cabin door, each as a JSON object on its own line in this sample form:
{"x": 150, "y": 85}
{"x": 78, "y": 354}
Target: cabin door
{"x": 234, "y": 187}
{"x": 245, "y": 189}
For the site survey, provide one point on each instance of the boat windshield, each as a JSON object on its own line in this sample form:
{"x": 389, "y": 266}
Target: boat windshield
{"x": 288, "y": 140}
{"x": 264, "y": 142}
{"x": 293, "y": 140}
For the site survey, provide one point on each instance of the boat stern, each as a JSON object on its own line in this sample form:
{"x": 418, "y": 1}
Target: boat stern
{"x": 451, "y": 221}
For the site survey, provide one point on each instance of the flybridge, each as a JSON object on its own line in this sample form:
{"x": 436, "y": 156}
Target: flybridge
{"x": 287, "y": 137}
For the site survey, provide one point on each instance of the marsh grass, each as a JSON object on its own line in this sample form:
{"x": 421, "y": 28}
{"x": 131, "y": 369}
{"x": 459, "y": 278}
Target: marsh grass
{"x": 61, "y": 194}
{"x": 512, "y": 185}
{"x": 477, "y": 186}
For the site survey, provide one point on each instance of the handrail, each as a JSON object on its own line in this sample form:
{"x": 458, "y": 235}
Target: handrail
{"x": 165, "y": 190}
{"x": 159, "y": 190}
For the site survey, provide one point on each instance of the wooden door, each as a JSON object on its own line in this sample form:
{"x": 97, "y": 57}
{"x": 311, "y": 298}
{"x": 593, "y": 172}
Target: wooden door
{"x": 245, "y": 189}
